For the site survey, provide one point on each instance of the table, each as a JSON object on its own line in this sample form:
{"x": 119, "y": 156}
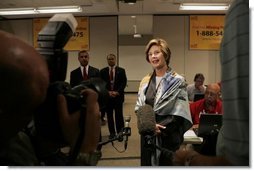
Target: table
{"x": 190, "y": 137}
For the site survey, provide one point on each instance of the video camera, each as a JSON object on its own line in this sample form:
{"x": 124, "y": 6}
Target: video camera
{"x": 51, "y": 40}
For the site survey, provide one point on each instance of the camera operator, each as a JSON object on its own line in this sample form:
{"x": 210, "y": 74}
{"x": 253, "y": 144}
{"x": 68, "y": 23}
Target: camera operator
{"x": 24, "y": 82}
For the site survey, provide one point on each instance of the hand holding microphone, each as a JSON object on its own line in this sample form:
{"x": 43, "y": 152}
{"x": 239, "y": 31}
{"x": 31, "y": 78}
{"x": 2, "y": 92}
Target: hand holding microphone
{"x": 146, "y": 124}
{"x": 146, "y": 120}
{"x": 148, "y": 128}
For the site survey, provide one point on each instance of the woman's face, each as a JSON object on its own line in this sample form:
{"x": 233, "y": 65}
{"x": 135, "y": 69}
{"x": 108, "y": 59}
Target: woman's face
{"x": 156, "y": 58}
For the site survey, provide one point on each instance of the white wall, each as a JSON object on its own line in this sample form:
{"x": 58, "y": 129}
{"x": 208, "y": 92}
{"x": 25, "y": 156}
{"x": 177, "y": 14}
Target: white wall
{"x": 175, "y": 30}
{"x": 104, "y": 40}
{"x": 132, "y": 58}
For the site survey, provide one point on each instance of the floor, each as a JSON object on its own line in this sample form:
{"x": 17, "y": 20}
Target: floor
{"x": 113, "y": 154}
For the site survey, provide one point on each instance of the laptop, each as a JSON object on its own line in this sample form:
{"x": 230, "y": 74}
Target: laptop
{"x": 209, "y": 123}
{"x": 198, "y": 96}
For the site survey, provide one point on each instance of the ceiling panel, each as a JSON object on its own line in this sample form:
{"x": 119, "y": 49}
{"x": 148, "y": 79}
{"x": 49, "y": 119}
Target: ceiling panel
{"x": 143, "y": 9}
{"x": 144, "y": 24}
{"x": 109, "y": 7}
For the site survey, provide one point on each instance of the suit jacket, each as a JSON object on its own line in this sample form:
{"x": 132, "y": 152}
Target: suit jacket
{"x": 119, "y": 82}
{"x": 76, "y": 75}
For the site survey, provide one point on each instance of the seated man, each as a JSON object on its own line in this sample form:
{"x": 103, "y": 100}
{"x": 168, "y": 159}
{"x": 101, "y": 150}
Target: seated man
{"x": 24, "y": 82}
{"x": 210, "y": 104}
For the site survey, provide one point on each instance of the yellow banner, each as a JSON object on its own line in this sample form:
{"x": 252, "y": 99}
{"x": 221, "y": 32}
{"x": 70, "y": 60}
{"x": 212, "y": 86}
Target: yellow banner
{"x": 206, "y": 32}
{"x": 78, "y": 41}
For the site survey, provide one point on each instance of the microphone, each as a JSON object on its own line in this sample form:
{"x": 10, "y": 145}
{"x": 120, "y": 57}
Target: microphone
{"x": 146, "y": 120}
{"x": 147, "y": 125}
{"x": 126, "y": 130}
{"x": 127, "y": 120}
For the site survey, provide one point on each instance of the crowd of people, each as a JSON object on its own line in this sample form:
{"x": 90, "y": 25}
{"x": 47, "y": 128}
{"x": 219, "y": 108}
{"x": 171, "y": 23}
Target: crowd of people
{"x": 163, "y": 89}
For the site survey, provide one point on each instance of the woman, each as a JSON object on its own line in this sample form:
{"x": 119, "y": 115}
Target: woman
{"x": 165, "y": 91}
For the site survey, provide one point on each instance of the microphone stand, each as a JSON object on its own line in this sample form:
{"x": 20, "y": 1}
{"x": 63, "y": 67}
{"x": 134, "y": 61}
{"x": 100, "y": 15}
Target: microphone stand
{"x": 126, "y": 132}
{"x": 122, "y": 136}
{"x": 165, "y": 152}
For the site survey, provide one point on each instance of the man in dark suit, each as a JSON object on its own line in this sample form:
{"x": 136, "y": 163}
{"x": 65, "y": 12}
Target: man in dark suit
{"x": 115, "y": 78}
{"x": 85, "y": 71}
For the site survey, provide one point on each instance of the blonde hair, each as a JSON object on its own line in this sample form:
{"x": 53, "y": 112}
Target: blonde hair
{"x": 163, "y": 46}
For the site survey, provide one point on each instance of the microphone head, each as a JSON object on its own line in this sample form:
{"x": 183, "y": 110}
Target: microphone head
{"x": 146, "y": 120}
{"x": 127, "y": 118}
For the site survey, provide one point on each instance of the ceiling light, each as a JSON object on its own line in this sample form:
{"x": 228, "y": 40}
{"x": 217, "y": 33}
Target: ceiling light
{"x": 130, "y": 2}
{"x": 137, "y": 35}
{"x": 59, "y": 9}
{"x": 48, "y": 10}
{"x": 17, "y": 11}
{"x": 204, "y": 6}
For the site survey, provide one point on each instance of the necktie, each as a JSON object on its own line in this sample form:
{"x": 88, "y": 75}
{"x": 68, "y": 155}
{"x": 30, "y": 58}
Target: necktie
{"x": 85, "y": 76}
{"x": 111, "y": 76}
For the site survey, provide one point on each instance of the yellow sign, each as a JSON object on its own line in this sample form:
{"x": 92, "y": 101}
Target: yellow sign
{"x": 78, "y": 41}
{"x": 206, "y": 31}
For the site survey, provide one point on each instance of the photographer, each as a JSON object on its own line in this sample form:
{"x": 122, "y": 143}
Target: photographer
{"x": 24, "y": 82}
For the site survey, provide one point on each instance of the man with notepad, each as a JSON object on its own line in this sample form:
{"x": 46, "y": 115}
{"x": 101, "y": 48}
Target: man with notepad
{"x": 211, "y": 104}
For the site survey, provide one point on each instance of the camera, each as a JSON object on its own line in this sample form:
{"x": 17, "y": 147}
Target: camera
{"x": 51, "y": 40}
{"x": 75, "y": 99}
{"x": 46, "y": 119}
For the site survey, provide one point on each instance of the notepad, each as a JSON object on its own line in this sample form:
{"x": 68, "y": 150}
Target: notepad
{"x": 198, "y": 96}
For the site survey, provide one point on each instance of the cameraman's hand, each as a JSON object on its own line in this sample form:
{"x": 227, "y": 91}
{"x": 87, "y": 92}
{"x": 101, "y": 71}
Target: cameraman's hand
{"x": 113, "y": 93}
{"x": 189, "y": 157}
{"x": 182, "y": 155}
{"x": 70, "y": 121}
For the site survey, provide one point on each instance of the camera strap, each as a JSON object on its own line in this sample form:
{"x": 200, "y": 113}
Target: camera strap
{"x": 75, "y": 151}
